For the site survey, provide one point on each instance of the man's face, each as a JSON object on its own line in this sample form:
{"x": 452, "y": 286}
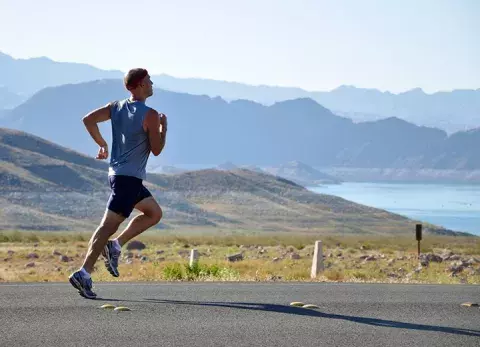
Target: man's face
{"x": 147, "y": 85}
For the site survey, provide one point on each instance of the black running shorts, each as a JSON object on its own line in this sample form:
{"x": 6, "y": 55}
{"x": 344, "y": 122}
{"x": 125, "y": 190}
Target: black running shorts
{"x": 127, "y": 191}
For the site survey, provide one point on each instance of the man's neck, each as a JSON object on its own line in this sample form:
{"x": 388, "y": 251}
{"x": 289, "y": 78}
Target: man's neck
{"x": 136, "y": 98}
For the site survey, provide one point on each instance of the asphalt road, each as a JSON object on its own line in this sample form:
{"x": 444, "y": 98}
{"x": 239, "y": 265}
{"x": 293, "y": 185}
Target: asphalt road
{"x": 240, "y": 314}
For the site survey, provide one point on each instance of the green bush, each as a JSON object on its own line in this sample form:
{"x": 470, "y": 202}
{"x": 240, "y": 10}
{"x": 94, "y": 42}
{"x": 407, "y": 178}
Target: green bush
{"x": 173, "y": 272}
{"x": 14, "y": 236}
{"x": 197, "y": 271}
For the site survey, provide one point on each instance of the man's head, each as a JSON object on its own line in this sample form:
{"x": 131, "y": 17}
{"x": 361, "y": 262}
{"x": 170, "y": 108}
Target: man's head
{"x": 138, "y": 82}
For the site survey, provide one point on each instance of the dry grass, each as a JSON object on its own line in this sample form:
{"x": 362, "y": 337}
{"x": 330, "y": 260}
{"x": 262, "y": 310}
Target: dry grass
{"x": 267, "y": 257}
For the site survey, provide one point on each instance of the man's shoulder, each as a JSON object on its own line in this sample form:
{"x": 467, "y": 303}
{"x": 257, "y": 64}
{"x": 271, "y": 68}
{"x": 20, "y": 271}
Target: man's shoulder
{"x": 151, "y": 111}
{"x": 118, "y": 102}
{"x": 114, "y": 104}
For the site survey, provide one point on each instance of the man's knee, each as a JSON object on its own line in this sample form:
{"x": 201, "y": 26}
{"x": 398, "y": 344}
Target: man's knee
{"x": 150, "y": 208}
{"x": 111, "y": 221}
{"x": 156, "y": 215}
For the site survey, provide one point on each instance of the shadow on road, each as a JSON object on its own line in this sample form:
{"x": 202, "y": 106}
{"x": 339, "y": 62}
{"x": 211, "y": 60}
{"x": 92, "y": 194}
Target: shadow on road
{"x": 314, "y": 313}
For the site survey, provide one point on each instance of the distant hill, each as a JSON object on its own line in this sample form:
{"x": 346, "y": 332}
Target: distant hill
{"x": 302, "y": 174}
{"x": 9, "y": 99}
{"x": 451, "y": 111}
{"x": 253, "y": 168}
{"x": 227, "y": 166}
{"x": 48, "y": 187}
{"x": 204, "y": 130}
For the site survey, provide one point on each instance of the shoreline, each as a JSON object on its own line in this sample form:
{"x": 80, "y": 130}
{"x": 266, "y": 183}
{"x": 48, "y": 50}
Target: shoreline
{"x": 403, "y": 175}
{"x": 457, "y": 217}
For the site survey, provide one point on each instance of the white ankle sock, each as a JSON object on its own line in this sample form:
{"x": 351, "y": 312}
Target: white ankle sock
{"x": 84, "y": 272}
{"x": 117, "y": 244}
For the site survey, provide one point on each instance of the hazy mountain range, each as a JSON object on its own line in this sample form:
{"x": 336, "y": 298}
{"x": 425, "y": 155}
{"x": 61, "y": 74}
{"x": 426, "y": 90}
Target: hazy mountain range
{"x": 451, "y": 110}
{"x": 302, "y": 174}
{"x": 48, "y": 187}
{"x": 9, "y": 99}
{"x": 24, "y": 77}
{"x": 204, "y": 130}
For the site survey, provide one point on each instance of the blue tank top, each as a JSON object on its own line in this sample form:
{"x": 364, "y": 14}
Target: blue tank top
{"x": 130, "y": 145}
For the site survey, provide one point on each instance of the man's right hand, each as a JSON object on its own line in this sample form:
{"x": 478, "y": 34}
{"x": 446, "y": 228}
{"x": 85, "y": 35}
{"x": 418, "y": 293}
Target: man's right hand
{"x": 102, "y": 152}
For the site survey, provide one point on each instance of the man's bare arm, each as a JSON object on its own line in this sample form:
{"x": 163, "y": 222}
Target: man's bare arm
{"x": 156, "y": 137}
{"x": 91, "y": 121}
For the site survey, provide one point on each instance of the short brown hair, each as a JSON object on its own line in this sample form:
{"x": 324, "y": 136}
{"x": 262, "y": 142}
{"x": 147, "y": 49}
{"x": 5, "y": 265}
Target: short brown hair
{"x": 134, "y": 77}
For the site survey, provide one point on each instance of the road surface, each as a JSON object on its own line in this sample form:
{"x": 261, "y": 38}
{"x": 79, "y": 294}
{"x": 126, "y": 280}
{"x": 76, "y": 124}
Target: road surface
{"x": 240, "y": 314}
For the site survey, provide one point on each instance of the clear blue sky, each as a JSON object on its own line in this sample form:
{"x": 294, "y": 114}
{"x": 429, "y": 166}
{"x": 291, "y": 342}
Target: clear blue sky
{"x": 390, "y": 45}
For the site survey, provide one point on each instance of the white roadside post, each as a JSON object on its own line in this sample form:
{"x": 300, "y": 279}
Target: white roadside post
{"x": 193, "y": 257}
{"x": 317, "y": 263}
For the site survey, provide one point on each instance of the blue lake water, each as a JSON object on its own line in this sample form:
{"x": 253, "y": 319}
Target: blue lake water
{"x": 455, "y": 206}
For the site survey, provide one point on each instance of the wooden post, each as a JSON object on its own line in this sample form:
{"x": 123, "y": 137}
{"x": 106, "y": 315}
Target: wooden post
{"x": 418, "y": 235}
{"x": 193, "y": 257}
{"x": 317, "y": 263}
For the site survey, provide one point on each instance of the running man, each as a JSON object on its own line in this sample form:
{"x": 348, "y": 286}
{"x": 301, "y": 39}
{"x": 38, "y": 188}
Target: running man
{"x": 137, "y": 131}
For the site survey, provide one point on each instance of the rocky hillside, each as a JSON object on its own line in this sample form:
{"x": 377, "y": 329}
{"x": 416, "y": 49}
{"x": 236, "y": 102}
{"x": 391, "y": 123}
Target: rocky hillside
{"x": 48, "y": 187}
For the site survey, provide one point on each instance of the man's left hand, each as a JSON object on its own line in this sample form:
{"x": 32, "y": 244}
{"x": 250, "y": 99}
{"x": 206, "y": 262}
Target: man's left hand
{"x": 163, "y": 123}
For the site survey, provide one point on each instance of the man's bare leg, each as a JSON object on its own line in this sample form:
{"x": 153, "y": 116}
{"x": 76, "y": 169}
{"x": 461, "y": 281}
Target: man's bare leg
{"x": 109, "y": 226}
{"x": 81, "y": 279}
{"x": 151, "y": 215}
